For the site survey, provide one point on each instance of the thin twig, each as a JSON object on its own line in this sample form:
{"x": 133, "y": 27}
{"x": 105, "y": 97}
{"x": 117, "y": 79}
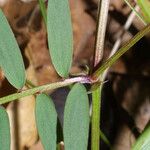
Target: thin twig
{"x": 101, "y": 29}
{"x": 136, "y": 12}
{"x": 118, "y": 41}
{"x": 43, "y": 10}
{"x": 121, "y": 51}
{"x": 39, "y": 89}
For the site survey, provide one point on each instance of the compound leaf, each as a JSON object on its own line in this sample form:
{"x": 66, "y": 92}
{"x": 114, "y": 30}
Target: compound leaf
{"x": 76, "y": 119}
{"x": 46, "y": 120}
{"x": 60, "y": 35}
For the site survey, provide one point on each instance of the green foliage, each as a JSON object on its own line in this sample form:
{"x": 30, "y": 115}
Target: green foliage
{"x": 60, "y": 38}
{"x": 145, "y": 7}
{"x": 4, "y": 130}
{"x": 76, "y": 119}
{"x": 143, "y": 142}
{"x": 10, "y": 56}
{"x": 46, "y": 120}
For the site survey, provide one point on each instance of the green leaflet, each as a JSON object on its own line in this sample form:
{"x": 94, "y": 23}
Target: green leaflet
{"x": 145, "y": 7}
{"x": 60, "y": 38}
{"x": 76, "y": 119}
{"x": 46, "y": 120}
{"x": 4, "y": 130}
{"x": 10, "y": 56}
{"x": 143, "y": 142}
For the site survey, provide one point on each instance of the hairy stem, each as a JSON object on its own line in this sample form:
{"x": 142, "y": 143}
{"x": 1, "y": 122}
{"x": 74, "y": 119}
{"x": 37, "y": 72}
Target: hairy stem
{"x": 96, "y": 94}
{"x": 101, "y": 29}
{"x": 43, "y": 88}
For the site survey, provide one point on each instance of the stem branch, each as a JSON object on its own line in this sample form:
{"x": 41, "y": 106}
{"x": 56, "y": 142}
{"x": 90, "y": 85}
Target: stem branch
{"x": 96, "y": 95}
{"x": 43, "y": 88}
{"x": 121, "y": 51}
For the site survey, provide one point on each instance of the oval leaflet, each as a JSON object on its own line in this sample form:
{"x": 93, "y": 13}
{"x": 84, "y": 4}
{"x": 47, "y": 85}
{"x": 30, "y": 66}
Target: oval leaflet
{"x": 76, "y": 119}
{"x": 10, "y": 57}
{"x": 46, "y": 120}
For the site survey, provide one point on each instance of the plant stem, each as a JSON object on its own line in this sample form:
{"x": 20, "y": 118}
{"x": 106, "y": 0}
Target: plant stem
{"x": 96, "y": 94}
{"x": 119, "y": 39}
{"x": 101, "y": 29}
{"x": 121, "y": 51}
{"x": 136, "y": 12}
{"x": 43, "y": 10}
{"x": 43, "y": 88}
{"x": 30, "y": 84}
{"x": 96, "y": 104}
{"x": 105, "y": 139}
